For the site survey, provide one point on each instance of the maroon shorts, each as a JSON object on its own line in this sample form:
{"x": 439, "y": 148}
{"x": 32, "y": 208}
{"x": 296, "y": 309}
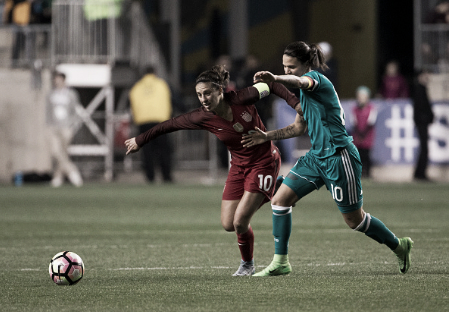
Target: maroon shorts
{"x": 254, "y": 179}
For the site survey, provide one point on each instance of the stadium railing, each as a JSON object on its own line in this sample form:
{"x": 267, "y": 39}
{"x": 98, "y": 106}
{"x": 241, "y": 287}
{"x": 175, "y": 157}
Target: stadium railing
{"x": 72, "y": 39}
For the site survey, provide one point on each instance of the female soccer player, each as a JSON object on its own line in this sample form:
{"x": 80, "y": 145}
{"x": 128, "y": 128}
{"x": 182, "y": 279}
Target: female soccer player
{"x": 252, "y": 176}
{"x": 333, "y": 159}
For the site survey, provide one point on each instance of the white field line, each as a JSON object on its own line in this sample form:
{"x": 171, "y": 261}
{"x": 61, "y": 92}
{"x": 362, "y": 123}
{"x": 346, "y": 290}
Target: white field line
{"x": 212, "y": 267}
{"x": 312, "y": 264}
{"x": 442, "y": 239}
{"x": 27, "y": 249}
{"x": 227, "y": 267}
{"x": 325, "y": 231}
{"x": 171, "y": 268}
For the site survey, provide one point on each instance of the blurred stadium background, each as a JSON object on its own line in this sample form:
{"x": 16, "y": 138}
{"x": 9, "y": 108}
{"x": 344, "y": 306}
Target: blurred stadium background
{"x": 183, "y": 37}
{"x": 161, "y": 248}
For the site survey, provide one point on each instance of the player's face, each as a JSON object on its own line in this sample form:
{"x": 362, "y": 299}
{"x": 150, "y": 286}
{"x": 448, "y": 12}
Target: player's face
{"x": 292, "y": 66}
{"x": 362, "y": 97}
{"x": 58, "y": 82}
{"x": 208, "y": 95}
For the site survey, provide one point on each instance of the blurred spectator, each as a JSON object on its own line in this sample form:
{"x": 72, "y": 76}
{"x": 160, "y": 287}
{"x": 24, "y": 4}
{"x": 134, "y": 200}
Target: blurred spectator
{"x": 363, "y": 131}
{"x": 332, "y": 72}
{"x": 423, "y": 117}
{"x": 429, "y": 54}
{"x": 443, "y": 61}
{"x": 394, "y": 85}
{"x": 246, "y": 73}
{"x": 151, "y": 103}
{"x": 439, "y": 14}
{"x": 17, "y": 13}
{"x": 227, "y": 62}
{"x": 433, "y": 51}
{"x": 62, "y": 119}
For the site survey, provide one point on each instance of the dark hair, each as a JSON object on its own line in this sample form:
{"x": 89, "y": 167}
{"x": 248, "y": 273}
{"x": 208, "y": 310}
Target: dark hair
{"x": 149, "y": 69}
{"x": 218, "y": 76}
{"x": 58, "y": 74}
{"x": 310, "y": 55}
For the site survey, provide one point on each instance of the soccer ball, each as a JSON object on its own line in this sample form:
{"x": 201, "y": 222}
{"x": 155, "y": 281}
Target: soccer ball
{"x": 66, "y": 268}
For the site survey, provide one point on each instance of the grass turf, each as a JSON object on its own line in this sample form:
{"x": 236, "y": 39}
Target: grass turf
{"x": 162, "y": 248}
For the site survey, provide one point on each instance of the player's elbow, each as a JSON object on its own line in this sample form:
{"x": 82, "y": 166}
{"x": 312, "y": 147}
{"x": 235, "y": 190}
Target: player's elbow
{"x": 299, "y": 129}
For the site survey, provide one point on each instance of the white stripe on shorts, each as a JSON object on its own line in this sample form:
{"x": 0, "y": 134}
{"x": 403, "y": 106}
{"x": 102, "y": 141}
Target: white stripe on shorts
{"x": 292, "y": 172}
{"x": 352, "y": 185}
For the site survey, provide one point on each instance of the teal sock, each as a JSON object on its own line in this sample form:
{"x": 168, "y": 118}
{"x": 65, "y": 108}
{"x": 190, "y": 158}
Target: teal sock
{"x": 282, "y": 227}
{"x": 376, "y": 229}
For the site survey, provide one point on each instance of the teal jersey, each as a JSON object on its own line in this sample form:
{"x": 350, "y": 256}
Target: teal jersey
{"x": 324, "y": 116}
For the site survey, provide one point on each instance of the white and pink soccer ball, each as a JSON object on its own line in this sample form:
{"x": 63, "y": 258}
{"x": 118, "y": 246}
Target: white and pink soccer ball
{"x": 66, "y": 268}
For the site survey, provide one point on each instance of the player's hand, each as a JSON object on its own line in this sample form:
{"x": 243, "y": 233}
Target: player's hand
{"x": 254, "y": 138}
{"x": 264, "y": 76}
{"x": 131, "y": 146}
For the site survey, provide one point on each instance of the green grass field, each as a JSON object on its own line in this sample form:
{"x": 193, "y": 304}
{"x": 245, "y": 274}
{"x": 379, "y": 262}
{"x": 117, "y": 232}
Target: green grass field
{"x": 162, "y": 248}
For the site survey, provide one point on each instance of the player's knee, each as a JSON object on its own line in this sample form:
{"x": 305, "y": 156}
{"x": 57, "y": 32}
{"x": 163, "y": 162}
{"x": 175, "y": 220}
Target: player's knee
{"x": 240, "y": 226}
{"x": 228, "y": 228}
{"x": 351, "y": 224}
{"x": 279, "y": 201}
{"x": 275, "y": 201}
{"x": 364, "y": 224}
{"x": 355, "y": 219}
{"x": 350, "y": 221}
{"x": 284, "y": 199}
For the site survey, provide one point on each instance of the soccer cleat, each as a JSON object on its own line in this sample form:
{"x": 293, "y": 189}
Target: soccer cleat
{"x": 279, "y": 181}
{"x": 246, "y": 268}
{"x": 403, "y": 253}
{"x": 276, "y": 268}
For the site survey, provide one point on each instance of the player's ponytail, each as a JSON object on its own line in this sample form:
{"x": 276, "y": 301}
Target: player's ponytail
{"x": 218, "y": 76}
{"x": 317, "y": 59}
{"x": 309, "y": 55}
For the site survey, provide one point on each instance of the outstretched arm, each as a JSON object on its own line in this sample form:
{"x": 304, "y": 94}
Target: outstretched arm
{"x": 290, "y": 81}
{"x": 297, "y": 128}
{"x": 131, "y": 146}
{"x": 188, "y": 121}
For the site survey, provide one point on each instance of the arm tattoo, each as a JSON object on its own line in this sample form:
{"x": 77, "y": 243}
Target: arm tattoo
{"x": 284, "y": 133}
{"x": 302, "y": 120}
{"x": 296, "y": 129}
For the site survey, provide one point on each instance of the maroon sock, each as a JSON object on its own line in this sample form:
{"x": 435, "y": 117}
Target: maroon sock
{"x": 246, "y": 244}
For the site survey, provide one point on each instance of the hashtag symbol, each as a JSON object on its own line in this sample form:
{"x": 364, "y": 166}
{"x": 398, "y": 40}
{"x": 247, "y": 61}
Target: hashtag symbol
{"x": 402, "y": 133}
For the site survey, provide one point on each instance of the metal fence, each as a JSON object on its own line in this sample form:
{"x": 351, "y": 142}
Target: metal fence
{"x": 104, "y": 32}
{"x": 22, "y": 46}
{"x": 431, "y": 37}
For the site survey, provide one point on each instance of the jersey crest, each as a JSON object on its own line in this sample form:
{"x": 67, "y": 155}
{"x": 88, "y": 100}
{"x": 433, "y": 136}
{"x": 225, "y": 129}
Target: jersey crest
{"x": 246, "y": 116}
{"x": 238, "y": 127}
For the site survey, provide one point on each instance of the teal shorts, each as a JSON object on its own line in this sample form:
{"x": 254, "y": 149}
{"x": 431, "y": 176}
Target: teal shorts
{"x": 341, "y": 173}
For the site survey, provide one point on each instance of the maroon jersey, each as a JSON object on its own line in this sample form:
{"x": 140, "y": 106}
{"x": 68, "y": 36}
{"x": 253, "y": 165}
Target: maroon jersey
{"x": 245, "y": 119}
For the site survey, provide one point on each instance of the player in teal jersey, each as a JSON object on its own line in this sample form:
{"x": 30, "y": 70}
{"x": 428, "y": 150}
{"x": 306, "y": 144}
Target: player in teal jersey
{"x": 333, "y": 160}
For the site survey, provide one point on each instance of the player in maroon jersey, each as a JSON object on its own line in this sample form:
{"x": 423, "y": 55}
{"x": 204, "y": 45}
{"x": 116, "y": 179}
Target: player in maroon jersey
{"x": 253, "y": 172}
